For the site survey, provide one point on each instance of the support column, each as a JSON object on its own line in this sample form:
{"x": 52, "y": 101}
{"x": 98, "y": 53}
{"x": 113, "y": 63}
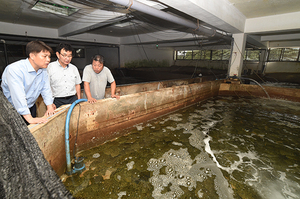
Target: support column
{"x": 238, "y": 50}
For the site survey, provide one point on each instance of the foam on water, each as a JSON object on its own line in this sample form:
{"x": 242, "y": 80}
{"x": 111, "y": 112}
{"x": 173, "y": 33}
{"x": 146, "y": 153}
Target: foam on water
{"x": 208, "y": 150}
{"x": 130, "y": 165}
{"x": 122, "y": 193}
{"x": 180, "y": 169}
{"x": 213, "y": 150}
{"x": 281, "y": 188}
{"x": 262, "y": 171}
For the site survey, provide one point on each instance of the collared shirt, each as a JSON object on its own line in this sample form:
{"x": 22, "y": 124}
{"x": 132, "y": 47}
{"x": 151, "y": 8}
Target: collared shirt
{"x": 22, "y": 85}
{"x": 98, "y": 81}
{"x": 63, "y": 80}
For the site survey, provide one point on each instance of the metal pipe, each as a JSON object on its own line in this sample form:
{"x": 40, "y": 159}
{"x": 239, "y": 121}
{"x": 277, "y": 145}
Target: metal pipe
{"x": 67, "y": 143}
{"x": 168, "y": 17}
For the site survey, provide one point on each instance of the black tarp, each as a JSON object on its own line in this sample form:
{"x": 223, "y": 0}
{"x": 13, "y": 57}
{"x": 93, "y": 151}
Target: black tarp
{"x": 25, "y": 173}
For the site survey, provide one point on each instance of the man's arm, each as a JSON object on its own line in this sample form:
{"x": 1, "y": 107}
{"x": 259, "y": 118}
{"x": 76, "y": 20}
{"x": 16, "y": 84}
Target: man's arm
{"x": 88, "y": 92}
{"x": 47, "y": 95}
{"x": 16, "y": 90}
{"x": 35, "y": 120}
{"x": 78, "y": 91}
{"x": 113, "y": 87}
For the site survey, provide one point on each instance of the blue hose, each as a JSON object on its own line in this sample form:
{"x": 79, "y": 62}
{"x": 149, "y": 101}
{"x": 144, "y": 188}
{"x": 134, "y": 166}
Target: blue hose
{"x": 67, "y": 144}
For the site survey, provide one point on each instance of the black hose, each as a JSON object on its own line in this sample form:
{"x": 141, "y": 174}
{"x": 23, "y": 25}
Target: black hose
{"x": 257, "y": 84}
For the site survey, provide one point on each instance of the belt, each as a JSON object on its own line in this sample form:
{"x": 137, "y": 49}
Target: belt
{"x": 67, "y": 97}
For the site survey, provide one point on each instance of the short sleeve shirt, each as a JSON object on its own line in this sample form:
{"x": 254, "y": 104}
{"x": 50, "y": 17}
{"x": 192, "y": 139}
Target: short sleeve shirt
{"x": 63, "y": 80}
{"x": 98, "y": 81}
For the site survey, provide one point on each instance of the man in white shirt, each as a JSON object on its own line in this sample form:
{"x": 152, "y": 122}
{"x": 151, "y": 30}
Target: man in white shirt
{"x": 64, "y": 77}
{"x": 95, "y": 78}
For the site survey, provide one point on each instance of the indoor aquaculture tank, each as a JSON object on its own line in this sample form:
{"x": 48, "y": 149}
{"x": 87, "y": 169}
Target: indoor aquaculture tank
{"x": 224, "y": 147}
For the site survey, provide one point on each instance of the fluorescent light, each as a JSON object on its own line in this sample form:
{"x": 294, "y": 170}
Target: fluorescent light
{"x": 123, "y": 24}
{"x": 54, "y": 8}
{"x": 130, "y": 23}
{"x": 206, "y": 27}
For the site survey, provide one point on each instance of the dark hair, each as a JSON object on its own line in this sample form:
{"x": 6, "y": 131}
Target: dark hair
{"x": 37, "y": 47}
{"x": 65, "y": 46}
{"x": 98, "y": 58}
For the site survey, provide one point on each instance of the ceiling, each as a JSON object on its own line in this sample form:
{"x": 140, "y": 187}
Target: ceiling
{"x": 170, "y": 23}
{"x": 261, "y": 8}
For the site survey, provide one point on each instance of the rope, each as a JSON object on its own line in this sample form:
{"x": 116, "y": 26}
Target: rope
{"x": 130, "y": 4}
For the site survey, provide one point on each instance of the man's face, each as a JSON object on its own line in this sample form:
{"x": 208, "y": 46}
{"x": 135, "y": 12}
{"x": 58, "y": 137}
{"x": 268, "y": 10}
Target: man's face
{"x": 41, "y": 59}
{"x": 64, "y": 57}
{"x": 97, "y": 66}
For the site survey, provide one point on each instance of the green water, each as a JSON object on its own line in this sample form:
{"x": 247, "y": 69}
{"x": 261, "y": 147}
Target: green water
{"x": 220, "y": 148}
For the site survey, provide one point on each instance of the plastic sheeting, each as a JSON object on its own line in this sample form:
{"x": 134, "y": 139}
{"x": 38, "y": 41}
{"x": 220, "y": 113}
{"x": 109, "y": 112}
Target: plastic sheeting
{"x": 25, "y": 173}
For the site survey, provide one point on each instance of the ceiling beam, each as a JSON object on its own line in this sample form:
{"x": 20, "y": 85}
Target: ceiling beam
{"x": 255, "y": 41}
{"x": 284, "y": 44}
{"x": 281, "y": 37}
{"x": 218, "y": 13}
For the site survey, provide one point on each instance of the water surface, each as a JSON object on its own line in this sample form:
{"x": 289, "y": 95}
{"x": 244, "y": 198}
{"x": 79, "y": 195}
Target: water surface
{"x": 225, "y": 147}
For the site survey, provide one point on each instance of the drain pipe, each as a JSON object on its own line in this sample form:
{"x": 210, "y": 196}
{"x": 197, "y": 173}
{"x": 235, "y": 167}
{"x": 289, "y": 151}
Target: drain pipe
{"x": 166, "y": 16}
{"x": 80, "y": 166}
{"x": 5, "y": 52}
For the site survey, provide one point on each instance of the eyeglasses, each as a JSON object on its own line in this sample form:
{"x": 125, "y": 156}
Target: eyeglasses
{"x": 66, "y": 56}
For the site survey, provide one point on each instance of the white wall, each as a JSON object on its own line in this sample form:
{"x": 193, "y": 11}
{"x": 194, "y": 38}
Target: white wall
{"x": 282, "y": 67}
{"x": 273, "y": 67}
{"x": 130, "y": 53}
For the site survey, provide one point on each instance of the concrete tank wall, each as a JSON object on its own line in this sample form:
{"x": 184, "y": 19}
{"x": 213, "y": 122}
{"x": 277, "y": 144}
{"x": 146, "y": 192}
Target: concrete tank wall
{"x": 101, "y": 121}
{"x": 236, "y": 89}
